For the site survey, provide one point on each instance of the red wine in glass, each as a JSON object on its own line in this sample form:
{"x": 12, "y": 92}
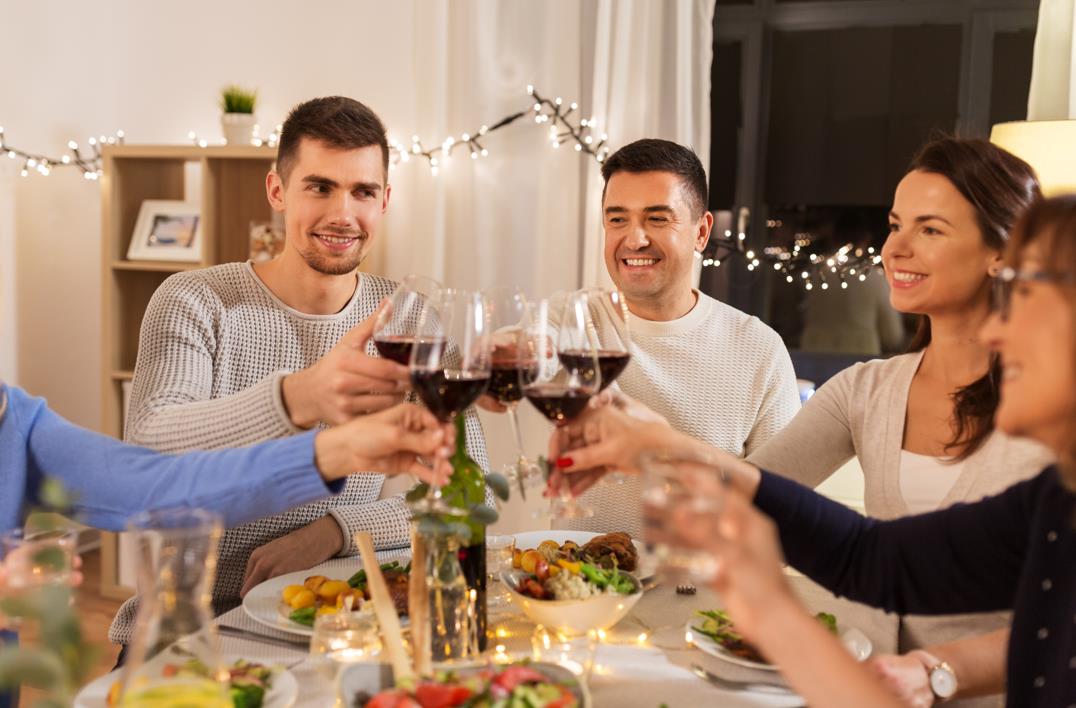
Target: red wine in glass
{"x": 611, "y": 364}
{"x": 558, "y": 402}
{"x": 448, "y": 393}
{"x": 504, "y": 382}
{"x": 395, "y": 347}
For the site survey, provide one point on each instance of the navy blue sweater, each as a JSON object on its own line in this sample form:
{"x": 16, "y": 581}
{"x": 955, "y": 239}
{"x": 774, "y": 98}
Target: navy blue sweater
{"x": 1016, "y": 550}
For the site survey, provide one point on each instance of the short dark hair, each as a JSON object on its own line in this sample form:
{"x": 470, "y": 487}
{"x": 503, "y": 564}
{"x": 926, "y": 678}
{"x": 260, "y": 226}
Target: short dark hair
{"x": 655, "y": 155}
{"x": 337, "y": 121}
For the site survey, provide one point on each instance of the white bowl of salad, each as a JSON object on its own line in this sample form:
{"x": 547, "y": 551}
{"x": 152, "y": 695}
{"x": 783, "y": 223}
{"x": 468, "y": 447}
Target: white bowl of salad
{"x": 574, "y": 597}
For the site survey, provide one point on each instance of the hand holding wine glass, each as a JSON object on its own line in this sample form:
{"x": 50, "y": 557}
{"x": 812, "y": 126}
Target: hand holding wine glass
{"x": 450, "y": 364}
{"x": 565, "y": 373}
{"x": 397, "y": 323}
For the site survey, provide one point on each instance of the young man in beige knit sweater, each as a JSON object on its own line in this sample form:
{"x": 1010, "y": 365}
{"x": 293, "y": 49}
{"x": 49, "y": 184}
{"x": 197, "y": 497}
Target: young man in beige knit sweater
{"x": 712, "y": 371}
{"x": 239, "y": 353}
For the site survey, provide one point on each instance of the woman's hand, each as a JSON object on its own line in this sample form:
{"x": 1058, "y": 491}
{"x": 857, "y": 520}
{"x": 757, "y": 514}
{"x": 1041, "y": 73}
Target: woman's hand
{"x": 390, "y": 442}
{"x": 745, "y": 546}
{"x": 906, "y": 676}
{"x": 601, "y": 439}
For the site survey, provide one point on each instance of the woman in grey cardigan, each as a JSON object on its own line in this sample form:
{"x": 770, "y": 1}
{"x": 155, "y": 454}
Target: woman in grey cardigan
{"x": 921, "y": 423}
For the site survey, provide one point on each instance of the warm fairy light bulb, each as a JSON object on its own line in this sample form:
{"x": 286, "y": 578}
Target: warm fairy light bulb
{"x": 573, "y": 105}
{"x": 825, "y": 286}
{"x": 583, "y": 122}
{"x": 588, "y": 140}
{"x": 24, "y": 172}
{"x": 558, "y": 100}
{"x": 808, "y": 286}
{"x": 485, "y": 152}
{"x": 789, "y": 279}
{"x": 31, "y": 162}
{"x": 750, "y": 255}
{"x": 474, "y": 155}
{"x": 120, "y": 134}
{"x": 537, "y": 107}
{"x": 862, "y": 277}
{"x": 72, "y": 145}
{"x": 66, "y": 159}
{"x": 203, "y": 143}
{"x": 844, "y": 285}
{"x": 578, "y": 147}
{"x": 777, "y": 266}
{"x": 530, "y": 89}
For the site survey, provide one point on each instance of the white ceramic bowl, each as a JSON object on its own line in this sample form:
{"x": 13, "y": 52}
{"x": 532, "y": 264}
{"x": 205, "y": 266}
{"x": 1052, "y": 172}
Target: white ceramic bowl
{"x": 575, "y": 616}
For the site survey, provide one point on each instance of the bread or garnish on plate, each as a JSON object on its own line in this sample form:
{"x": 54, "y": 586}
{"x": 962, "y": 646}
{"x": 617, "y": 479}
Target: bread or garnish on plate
{"x": 611, "y": 550}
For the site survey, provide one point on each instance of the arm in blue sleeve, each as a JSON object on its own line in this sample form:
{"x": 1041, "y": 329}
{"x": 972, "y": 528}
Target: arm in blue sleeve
{"x": 111, "y": 480}
{"x": 966, "y": 558}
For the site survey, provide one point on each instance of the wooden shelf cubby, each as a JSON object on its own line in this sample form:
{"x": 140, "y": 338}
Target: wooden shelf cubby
{"x": 231, "y": 195}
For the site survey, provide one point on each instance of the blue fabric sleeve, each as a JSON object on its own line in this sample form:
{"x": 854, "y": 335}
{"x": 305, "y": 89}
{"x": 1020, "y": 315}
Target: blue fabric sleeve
{"x": 112, "y": 480}
{"x": 966, "y": 558}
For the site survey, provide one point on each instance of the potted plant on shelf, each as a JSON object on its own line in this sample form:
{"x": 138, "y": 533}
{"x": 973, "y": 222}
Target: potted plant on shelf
{"x": 237, "y": 120}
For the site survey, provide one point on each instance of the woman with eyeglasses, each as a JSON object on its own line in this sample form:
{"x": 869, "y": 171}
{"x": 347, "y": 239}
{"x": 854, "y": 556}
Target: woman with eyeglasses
{"x": 921, "y": 424}
{"x": 1015, "y": 550}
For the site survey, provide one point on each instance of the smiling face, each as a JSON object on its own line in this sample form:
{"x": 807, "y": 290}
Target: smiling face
{"x": 935, "y": 258}
{"x": 1037, "y": 345}
{"x": 651, "y": 237}
{"x": 332, "y": 203}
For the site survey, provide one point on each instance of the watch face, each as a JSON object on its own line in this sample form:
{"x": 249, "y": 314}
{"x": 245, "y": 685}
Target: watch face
{"x": 942, "y": 682}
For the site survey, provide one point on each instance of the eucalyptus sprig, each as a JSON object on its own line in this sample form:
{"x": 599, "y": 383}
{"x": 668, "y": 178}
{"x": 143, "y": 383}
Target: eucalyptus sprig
{"x": 477, "y": 514}
{"x": 63, "y": 660}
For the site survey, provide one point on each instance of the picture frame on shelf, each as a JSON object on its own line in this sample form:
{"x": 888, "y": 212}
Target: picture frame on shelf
{"x": 167, "y": 230}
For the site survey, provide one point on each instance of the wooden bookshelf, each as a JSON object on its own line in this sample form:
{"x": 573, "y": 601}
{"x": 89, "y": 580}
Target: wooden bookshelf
{"x": 232, "y": 194}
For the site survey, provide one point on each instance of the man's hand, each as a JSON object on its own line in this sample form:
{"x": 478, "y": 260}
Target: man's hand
{"x": 302, "y": 548}
{"x": 344, "y": 383}
{"x": 394, "y": 441}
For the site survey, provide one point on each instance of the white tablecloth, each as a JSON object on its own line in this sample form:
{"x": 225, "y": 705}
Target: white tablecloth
{"x": 628, "y": 672}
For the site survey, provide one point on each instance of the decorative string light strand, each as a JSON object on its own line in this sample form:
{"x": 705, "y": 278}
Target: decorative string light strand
{"x": 847, "y": 263}
{"x": 90, "y": 164}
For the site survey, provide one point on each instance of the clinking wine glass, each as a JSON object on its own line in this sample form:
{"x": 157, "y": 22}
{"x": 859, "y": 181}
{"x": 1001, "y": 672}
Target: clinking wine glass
{"x": 450, "y": 366}
{"x": 510, "y": 357}
{"x": 564, "y": 376}
{"x": 608, "y": 312}
{"x": 397, "y": 325}
{"x": 691, "y": 492}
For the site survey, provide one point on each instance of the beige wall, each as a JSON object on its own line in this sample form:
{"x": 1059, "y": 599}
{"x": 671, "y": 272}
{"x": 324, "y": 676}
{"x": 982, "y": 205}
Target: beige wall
{"x": 153, "y": 69}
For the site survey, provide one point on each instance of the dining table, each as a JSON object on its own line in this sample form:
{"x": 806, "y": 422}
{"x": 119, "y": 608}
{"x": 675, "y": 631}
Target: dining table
{"x": 644, "y": 660}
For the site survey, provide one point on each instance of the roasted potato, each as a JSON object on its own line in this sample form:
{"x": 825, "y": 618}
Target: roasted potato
{"x": 303, "y": 598}
{"x": 314, "y": 582}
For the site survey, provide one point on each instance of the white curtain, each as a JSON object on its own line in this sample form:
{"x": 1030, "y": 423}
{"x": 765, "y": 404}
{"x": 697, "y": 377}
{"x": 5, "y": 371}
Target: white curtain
{"x": 529, "y": 215}
{"x": 1053, "y": 71}
{"x": 649, "y": 77}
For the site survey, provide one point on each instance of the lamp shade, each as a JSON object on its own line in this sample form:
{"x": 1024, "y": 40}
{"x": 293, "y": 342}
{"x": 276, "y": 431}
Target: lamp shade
{"x": 1049, "y": 146}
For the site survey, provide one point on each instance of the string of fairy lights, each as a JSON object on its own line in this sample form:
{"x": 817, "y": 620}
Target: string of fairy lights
{"x": 848, "y": 263}
{"x": 567, "y": 126}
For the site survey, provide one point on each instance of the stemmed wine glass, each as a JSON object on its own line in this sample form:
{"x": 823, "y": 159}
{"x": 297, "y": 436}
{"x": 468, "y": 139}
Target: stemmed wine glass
{"x": 511, "y": 355}
{"x": 397, "y": 324}
{"x": 565, "y": 373}
{"x": 450, "y": 365}
{"x": 608, "y": 312}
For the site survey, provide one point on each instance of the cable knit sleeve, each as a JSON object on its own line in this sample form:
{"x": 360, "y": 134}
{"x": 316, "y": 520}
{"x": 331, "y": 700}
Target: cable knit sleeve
{"x": 172, "y": 404}
{"x": 780, "y": 397}
{"x": 817, "y": 441}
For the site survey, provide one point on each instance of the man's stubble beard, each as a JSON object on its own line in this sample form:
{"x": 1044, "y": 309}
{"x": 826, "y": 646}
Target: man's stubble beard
{"x": 335, "y": 266}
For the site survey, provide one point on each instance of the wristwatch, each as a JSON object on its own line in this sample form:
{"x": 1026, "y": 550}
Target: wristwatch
{"x": 942, "y": 677}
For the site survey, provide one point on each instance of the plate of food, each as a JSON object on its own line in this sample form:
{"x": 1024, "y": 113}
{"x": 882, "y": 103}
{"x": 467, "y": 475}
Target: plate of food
{"x": 530, "y": 684}
{"x": 291, "y": 602}
{"x": 606, "y": 550}
{"x": 713, "y": 632}
{"x": 250, "y": 685}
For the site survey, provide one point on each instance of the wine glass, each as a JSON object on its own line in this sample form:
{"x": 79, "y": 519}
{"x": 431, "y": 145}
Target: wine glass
{"x": 450, "y": 365}
{"x": 397, "y": 324}
{"x": 690, "y": 490}
{"x": 510, "y": 355}
{"x": 564, "y": 375}
{"x": 341, "y": 639}
{"x": 608, "y": 313}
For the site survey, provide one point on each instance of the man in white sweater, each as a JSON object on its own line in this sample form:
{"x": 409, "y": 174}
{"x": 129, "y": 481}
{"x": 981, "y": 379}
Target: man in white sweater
{"x": 712, "y": 371}
{"x": 240, "y": 353}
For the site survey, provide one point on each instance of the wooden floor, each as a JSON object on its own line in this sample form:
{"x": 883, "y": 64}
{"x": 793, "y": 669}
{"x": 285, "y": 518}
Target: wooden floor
{"x": 96, "y": 614}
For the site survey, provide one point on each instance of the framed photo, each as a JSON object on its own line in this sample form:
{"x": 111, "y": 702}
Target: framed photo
{"x": 167, "y": 231}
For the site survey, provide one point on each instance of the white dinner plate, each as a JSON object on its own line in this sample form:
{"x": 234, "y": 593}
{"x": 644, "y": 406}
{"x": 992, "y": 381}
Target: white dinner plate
{"x": 263, "y": 603}
{"x": 647, "y": 567}
{"x": 857, "y": 644}
{"x": 282, "y": 693}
